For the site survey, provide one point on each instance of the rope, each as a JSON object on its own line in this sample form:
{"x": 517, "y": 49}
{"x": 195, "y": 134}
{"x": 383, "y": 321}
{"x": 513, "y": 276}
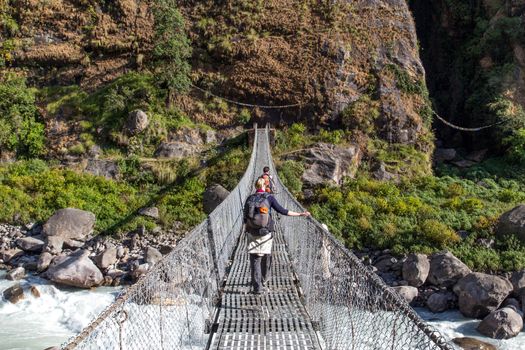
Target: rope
{"x": 248, "y": 104}
{"x": 467, "y": 129}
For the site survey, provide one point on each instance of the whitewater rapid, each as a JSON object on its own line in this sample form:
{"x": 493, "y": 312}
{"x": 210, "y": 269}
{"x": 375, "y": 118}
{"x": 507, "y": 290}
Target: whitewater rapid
{"x": 59, "y": 313}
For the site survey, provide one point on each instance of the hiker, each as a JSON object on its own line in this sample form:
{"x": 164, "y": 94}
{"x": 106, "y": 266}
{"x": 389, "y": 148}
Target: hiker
{"x": 259, "y": 227}
{"x": 270, "y": 187}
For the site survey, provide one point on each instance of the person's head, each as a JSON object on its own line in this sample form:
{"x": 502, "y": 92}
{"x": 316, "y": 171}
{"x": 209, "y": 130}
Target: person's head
{"x": 260, "y": 184}
{"x": 266, "y": 169}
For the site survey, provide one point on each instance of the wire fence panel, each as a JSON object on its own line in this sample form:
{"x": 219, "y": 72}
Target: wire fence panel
{"x": 173, "y": 305}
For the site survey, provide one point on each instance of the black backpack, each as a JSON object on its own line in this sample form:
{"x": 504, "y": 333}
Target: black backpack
{"x": 257, "y": 214}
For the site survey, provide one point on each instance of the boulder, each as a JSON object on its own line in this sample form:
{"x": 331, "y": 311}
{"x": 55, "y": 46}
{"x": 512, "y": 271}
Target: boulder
{"x": 385, "y": 263}
{"x": 14, "y": 293}
{"x": 444, "y": 155}
{"x": 380, "y": 173}
{"x": 152, "y": 256}
{"x": 407, "y": 292}
{"x": 415, "y": 269}
{"x": 16, "y": 274}
{"x": 140, "y": 271}
{"x": 190, "y": 136}
{"x": 107, "y": 258}
{"x": 326, "y": 162}
{"x": 137, "y": 122}
{"x": 445, "y": 269}
{"x": 54, "y": 244}
{"x": 176, "y": 150}
{"x": 34, "y": 292}
{"x": 44, "y": 261}
{"x": 152, "y": 212}
{"x": 6, "y": 255}
{"x": 30, "y": 244}
{"x": 103, "y": 167}
{"x": 75, "y": 270}
{"x": 512, "y": 222}
{"x": 480, "y": 293}
{"x": 213, "y": 196}
{"x": 501, "y": 324}
{"x": 437, "y": 302}
{"x": 70, "y": 223}
{"x": 72, "y": 244}
{"x": 518, "y": 281}
{"x": 467, "y": 343}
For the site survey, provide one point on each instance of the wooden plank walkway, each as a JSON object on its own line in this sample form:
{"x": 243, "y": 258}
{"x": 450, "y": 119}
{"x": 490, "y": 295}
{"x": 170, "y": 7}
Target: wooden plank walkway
{"x": 274, "y": 320}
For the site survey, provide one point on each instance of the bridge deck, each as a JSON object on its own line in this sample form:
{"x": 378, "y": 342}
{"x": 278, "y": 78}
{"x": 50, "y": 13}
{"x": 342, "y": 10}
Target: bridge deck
{"x": 274, "y": 320}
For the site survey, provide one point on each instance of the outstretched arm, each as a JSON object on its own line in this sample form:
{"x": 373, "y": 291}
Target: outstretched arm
{"x": 294, "y": 213}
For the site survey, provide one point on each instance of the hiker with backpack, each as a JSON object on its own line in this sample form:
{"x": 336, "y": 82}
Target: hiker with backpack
{"x": 268, "y": 180}
{"x": 259, "y": 227}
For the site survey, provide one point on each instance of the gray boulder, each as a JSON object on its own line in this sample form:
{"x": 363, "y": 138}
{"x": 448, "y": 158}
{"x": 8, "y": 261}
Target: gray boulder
{"x": 137, "y": 122}
{"x": 103, "y": 167}
{"x": 213, "y": 196}
{"x": 415, "y": 269}
{"x": 407, "y": 292}
{"x": 44, "y": 261}
{"x": 518, "y": 281}
{"x": 140, "y": 271}
{"x": 176, "y": 150}
{"x": 16, "y": 274}
{"x": 446, "y": 269}
{"x": 75, "y": 270}
{"x": 30, "y": 244}
{"x": 501, "y": 324}
{"x": 480, "y": 293}
{"x": 152, "y": 256}
{"x": 152, "y": 212}
{"x": 444, "y": 154}
{"x": 107, "y": 258}
{"x": 54, "y": 244}
{"x": 437, "y": 302}
{"x": 380, "y": 173}
{"x": 70, "y": 223}
{"x": 6, "y": 255}
{"x": 14, "y": 293}
{"x": 467, "y": 343}
{"x": 512, "y": 222}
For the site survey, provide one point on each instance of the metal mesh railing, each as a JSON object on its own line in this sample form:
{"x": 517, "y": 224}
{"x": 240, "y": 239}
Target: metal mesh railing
{"x": 171, "y": 306}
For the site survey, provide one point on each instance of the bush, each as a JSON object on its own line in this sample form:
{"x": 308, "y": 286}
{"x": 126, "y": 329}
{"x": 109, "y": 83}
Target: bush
{"x": 290, "y": 173}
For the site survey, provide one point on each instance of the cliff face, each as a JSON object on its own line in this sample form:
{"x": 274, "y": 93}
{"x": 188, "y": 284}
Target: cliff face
{"x": 474, "y": 54}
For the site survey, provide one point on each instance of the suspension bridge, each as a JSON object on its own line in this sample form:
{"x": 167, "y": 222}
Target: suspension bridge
{"x": 320, "y": 295}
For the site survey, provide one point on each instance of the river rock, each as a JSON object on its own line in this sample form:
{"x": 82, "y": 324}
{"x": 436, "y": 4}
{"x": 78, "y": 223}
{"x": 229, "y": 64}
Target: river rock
{"x": 480, "y": 293}
{"x": 437, "y": 302}
{"x": 409, "y": 293}
{"x": 445, "y": 269}
{"x": 34, "y": 291}
{"x": 75, "y": 270}
{"x": 14, "y": 293}
{"x": 44, "y": 261}
{"x": 213, "y": 196}
{"x": 152, "y": 212}
{"x": 518, "y": 281}
{"x": 107, "y": 258}
{"x": 140, "y": 271}
{"x": 70, "y": 223}
{"x": 512, "y": 222}
{"x": 467, "y": 343}
{"x": 137, "y": 121}
{"x": 16, "y": 274}
{"x": 7, "y": 255}
{"x": 152, "y": 256}
{"x": 415, "y": 269}
{"x": 501, "y": 324}
{"x": 30, "y": 244}
{"x": 54, "y": 244}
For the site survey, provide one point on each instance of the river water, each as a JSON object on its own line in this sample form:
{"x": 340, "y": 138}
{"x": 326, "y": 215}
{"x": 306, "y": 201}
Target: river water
{"x": 38, "y": 323}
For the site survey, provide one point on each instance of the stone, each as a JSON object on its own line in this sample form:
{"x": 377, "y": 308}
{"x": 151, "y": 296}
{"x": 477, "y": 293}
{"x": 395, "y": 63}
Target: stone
{"x": 385, "y": 263}
{"x": 464, "y": 163}
{"x": 380, "y": 173}
{"x": 44, "y": 261}
{"x": 121, "y": 251}
{"x": 75, "y": 270}
{"x": 416, "y": 269}
{"x": 480, "y": 293}
{"x": 328, "y": 163}
{"x": 514, "y": 303}
{"x": 54, "y": 244}
{"x": 445, "y": 269}
{"x": 190, "y": 136}
{"x": 210, "y": 136}
{"x": 108, "y": 281}
{"x": 107, "y": 258}
{"x": 30, "y": 244}
{"x": 176, "y": 150}
{"x": 437, "y": 302}
{"x": 518, "y": 281}
{"x": 152, "y": 256}
{"x": 14, "y": 293}
{"x": 137, "y": 122}
{"x": 72, "y": 244}
{"x": 165, "y": 249}
{"x": 213, "y": 196}
{"x": 444, "y": 155}
{"x": 504, "y": 323}
{"x": 6, "y": 255}
{"x": 512, "y": 222}
{"x": 140, "y": 271}
{"x": 115, "y": 273}
{"x": 467, "y": 343}
{"x": 407, "y": 292}
{"x": 16, "y": 274}
{"x": 34, "y": 292}
{"x": 152, "y": 212}
{"x": 103, "y": 167}
{"x": 70, "y": 223}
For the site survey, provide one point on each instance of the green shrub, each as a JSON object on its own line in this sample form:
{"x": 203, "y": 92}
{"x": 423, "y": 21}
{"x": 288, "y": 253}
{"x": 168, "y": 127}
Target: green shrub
{"x": 361, "y": 115}
{"x": 290, "y": 173}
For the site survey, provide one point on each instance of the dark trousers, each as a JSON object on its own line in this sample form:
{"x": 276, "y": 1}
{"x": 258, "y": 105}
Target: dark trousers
{"x": 260, "y": 266}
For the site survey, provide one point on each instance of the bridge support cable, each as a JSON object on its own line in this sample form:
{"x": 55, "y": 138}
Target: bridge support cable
{"x": 338, "y": 304}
